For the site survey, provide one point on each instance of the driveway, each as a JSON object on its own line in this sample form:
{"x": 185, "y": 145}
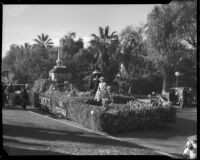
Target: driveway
{"x": 50, "y": 137}
{"x": 32, "y": 132}
{"x": 170, "y": 138}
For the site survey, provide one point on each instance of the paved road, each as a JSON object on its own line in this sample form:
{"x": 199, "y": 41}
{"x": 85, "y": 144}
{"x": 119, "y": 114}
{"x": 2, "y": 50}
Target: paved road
{"x": 30, "y": 133}
{"x": 52, "y": 137}
{"x": 170, "y": 138}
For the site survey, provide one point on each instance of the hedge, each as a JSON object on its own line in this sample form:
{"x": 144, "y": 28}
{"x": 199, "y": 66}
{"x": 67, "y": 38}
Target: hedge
{"x": 121, "y": 99}
{"x": 116, "y": 118}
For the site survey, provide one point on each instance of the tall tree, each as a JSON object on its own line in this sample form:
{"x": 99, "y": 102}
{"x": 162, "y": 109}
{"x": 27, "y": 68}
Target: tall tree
{"x": 102, "y": 44}
{"x": 70, "y": 46}
{"x": 132, "y": 53}
{"x": 43, "y": 41}
{"x": 164, "y": 41}
{"x": 8, "y": 62}
{"x": 26, "y": 46}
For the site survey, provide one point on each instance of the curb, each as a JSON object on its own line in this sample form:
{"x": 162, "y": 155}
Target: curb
{"x": 74, "y": 124}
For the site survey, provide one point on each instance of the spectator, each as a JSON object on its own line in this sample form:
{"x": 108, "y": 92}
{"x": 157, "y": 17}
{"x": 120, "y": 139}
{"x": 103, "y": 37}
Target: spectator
{"x": 10, "y": 94}
{"x": 91, "y": 84}
{"x": 172, "y": 96}
{"x": 185, "y": 98}
{"x": 3, "y": 95}
{"x": 190, "y": 97}
{"x": 24, "y": 97}
{"x": 96, "y": 84}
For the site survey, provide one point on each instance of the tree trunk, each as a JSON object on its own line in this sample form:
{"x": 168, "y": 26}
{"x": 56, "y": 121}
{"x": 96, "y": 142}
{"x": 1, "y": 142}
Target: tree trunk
{"x": 165, "y": 87}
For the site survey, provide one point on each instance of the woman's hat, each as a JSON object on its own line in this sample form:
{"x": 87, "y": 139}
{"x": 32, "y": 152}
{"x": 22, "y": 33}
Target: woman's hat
{"x": 96, "y": 72}
{"x": 101, "y": 78}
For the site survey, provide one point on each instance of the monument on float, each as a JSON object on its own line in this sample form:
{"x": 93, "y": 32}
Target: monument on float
{"x": 60, "y": 73}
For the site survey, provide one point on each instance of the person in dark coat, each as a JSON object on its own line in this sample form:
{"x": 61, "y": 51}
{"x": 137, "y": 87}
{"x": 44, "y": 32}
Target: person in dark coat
{"x": 3, "y": 95}
{"x": 10, "y": 94}
{"x": 189, "y": 97}
{"x": 96, "y": 84}
{"x": 91, "y": 83}
{"x": 24, "y": 97}
{"x": 185, "y": 98}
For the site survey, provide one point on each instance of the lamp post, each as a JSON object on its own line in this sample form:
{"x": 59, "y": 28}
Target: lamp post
{"x": 177, "y": 74}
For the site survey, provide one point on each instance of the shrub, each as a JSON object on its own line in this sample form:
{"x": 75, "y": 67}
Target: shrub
{"x": 165, "y": 111}
{"x": 92, "y": 102}
{"x": 121, "y": 99}
{"x": 115, "y": 118}
{"x": 34, "y": 98}
{"x": 16, "y": 99}
{"x": 41, "y": 85}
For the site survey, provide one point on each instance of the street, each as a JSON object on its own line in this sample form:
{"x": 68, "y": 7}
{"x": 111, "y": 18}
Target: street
{"x": 28, "y": 133}
{"x": 34, "y": 132}
{"x": 170, "y": 138}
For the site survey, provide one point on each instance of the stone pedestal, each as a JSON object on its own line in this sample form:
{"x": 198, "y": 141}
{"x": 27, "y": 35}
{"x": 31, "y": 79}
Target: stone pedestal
{"x": 59, "y": 73}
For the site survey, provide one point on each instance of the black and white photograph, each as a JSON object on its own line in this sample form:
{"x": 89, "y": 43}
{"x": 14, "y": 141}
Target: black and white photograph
{"x": 100, "y": 79}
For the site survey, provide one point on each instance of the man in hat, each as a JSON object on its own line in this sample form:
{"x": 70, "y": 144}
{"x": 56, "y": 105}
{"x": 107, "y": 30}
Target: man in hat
{"x": 10, "y": 94}
{"x": 96, "y": 84}
{"x": 95, "y": 80}
{"x": 185, "y": 98}
{"x": 24, "y": 97}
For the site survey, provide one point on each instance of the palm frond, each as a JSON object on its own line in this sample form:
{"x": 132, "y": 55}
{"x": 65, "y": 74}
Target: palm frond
{"x": 45, "y": 37}
{"x": 101, "y": 35}
{"x": 106, "y": 30}
{"x": 48, "y": 41}
{"x": 38, "y": 42}
{"x": 39, "y": 37}
{"x": 113, "y": 34}
{"x": 94, "y": 35}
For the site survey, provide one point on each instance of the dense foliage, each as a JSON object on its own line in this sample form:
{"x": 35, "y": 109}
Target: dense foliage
{"x": 167, "y": 43}
{"x": 114, "y": 118}
{"x": 124, "y": 113}
{"x": 171, "y": 38}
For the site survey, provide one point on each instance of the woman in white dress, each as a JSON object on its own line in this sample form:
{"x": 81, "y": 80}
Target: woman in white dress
{"x": 101, "y": 91}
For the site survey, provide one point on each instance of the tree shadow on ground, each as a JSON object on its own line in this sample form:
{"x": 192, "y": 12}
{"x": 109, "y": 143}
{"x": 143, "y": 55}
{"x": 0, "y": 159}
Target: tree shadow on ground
{"x": 12, "y": 108}
{"x": 19, "y": 151}
{"x": 7, "y": 140}
{"x": 68, "y": 136}
{"x": 33, "y": 109}
{"x": 164, "y": 131}
{"x": 19, "y": 107}
{"x": 45, "y": 113}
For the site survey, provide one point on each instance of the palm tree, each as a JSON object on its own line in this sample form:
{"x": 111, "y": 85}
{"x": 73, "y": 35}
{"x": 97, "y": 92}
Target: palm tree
{"x": 102, "y": 44}
{"x": 26, "y": 46}
{"x": 43, "y": 41}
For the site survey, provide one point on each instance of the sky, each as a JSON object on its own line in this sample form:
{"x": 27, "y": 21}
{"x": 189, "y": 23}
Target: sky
{"x": 22, "y": 23}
